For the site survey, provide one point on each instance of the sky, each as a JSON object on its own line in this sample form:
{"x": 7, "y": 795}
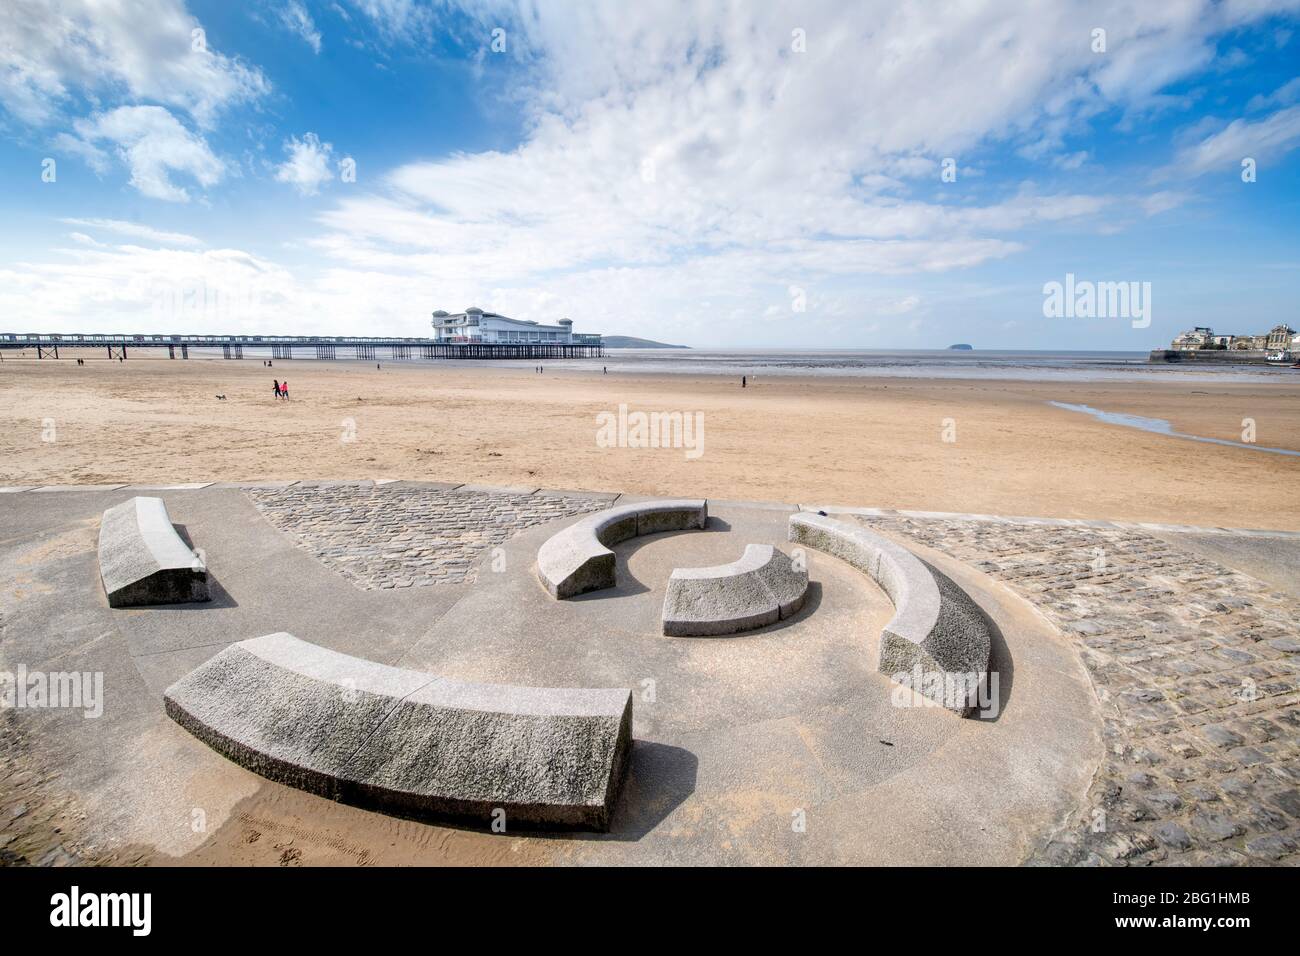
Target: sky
{"x": 731, "y": 175}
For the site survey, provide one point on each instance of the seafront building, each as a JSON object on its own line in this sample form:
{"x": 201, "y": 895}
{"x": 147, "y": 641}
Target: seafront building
{"x": 474, "y": 326}
{"x": 1281, "y": 338}
{"x": 1279, "y": 344}
{"x": 1278, "y": 338}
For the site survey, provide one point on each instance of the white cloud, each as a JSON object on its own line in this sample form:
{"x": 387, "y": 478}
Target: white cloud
{"x": 1284, "y": 95}
{"x": 153, "y": 144}
{"x": 683, "y": 166}
{"x": 670, "y": 151}
{"x": 396, "y": 19}
{"x": 1163, "y": 201}
{"x": 136, "y": 230}
{"x": 109, "y": 288}
{"x": 1222, "y": 152}
{"x": 52, "y": 50}
{"x": 296, "y": 19}
{"x": 94, "y": 157}
{"x": 308, "y": 165}
{"x": 1072, "y": 161}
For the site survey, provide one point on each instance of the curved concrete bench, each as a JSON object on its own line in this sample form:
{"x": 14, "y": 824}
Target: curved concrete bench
{"x": 577, "y": 559}
{"x": 142, "y": 560}
{"x": 937, "y": 631}
{"x": 407, "y": 742}
{"x": 759, "y": 589}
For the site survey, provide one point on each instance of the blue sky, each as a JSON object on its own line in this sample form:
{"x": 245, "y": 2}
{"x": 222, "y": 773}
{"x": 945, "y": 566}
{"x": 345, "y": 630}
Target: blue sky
{"x": 750, "y": 175}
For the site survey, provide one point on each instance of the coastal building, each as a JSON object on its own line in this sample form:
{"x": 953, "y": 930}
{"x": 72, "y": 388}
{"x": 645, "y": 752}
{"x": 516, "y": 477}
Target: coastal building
{"x": 474, "y": 326}
{"x": 1281, "y": 338}
{"x": 1195, "y": 338}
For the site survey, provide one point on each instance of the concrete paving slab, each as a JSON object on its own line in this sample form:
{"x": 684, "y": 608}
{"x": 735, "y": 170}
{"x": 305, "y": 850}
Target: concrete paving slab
{"x": 1274, "y": 559}
{"x": 499, "y": 489}
{"x": 609, "y": 496}
{"x": 189, "y": 486}
{"x": 429, "y": 485}
{"x": 78, "y": 488}
{"x": 254, "y": 484}
{"x": 332, "y": 483}
{"x": 760, "y": 505}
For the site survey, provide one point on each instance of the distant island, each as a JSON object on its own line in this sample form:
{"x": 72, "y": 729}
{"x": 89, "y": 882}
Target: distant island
{"x": 961, "y": 347}
{"x": 632, "y": 342}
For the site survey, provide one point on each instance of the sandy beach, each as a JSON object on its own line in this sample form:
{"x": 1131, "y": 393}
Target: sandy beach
{"x": 850, "y": 441}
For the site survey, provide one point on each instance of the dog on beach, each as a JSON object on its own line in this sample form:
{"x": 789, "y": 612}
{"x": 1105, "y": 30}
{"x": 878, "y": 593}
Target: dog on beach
{"x": 221, "y": 398}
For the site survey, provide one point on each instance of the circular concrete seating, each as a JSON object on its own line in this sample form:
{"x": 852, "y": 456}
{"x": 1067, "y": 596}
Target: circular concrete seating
{"x": 759, "y": 589}
{"x": 142, "y": 560}
{"x": 938, "y": 641}
{"x": 578, "y": 558}
{"x": 407, "y": 742}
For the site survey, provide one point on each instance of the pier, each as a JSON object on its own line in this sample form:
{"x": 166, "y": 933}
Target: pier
{"x": 323, "y": 347}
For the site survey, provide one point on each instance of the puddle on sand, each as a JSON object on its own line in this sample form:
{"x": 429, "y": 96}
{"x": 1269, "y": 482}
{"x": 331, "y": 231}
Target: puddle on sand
{"x": 1161, "y": 427}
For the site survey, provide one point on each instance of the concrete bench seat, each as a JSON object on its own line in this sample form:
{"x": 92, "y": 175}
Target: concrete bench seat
{"x": 407, "y": 742}
{"x": 142, "y": 560}
{"x": 937, "y": 631}
{"x": 578, "y": 558}
{"x": 759, "y": 589}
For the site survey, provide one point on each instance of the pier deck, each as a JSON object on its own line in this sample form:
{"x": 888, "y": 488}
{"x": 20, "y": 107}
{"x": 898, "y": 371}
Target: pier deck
{"x": 282, "y": 346}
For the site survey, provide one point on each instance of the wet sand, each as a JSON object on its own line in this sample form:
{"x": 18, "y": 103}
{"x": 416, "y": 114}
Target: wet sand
{"x": 872, "y": 442}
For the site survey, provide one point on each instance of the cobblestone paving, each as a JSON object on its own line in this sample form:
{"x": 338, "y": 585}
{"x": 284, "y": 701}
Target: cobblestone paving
{"x": 1196, "y": 667}
{"x": 407, "y": 537}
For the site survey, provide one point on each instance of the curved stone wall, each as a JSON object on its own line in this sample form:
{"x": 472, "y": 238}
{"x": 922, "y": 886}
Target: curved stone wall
{"x": 759, "y": 589}
{"x": 143, "y": 561}
{"x": 938, "y": 641}
{"x": 407, "y": 742}
{"x": 578, "y": 558}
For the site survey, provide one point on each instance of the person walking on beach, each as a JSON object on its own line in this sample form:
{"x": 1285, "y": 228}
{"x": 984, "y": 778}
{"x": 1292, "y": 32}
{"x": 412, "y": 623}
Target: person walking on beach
{"x": 284, "y": 390}
{"x": 275, "y": 387}
{"x": 742, "y": 381}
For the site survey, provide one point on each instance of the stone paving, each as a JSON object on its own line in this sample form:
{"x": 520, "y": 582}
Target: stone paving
{"x": 1197, "y": 672}
{"x": 379, "y": 537}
